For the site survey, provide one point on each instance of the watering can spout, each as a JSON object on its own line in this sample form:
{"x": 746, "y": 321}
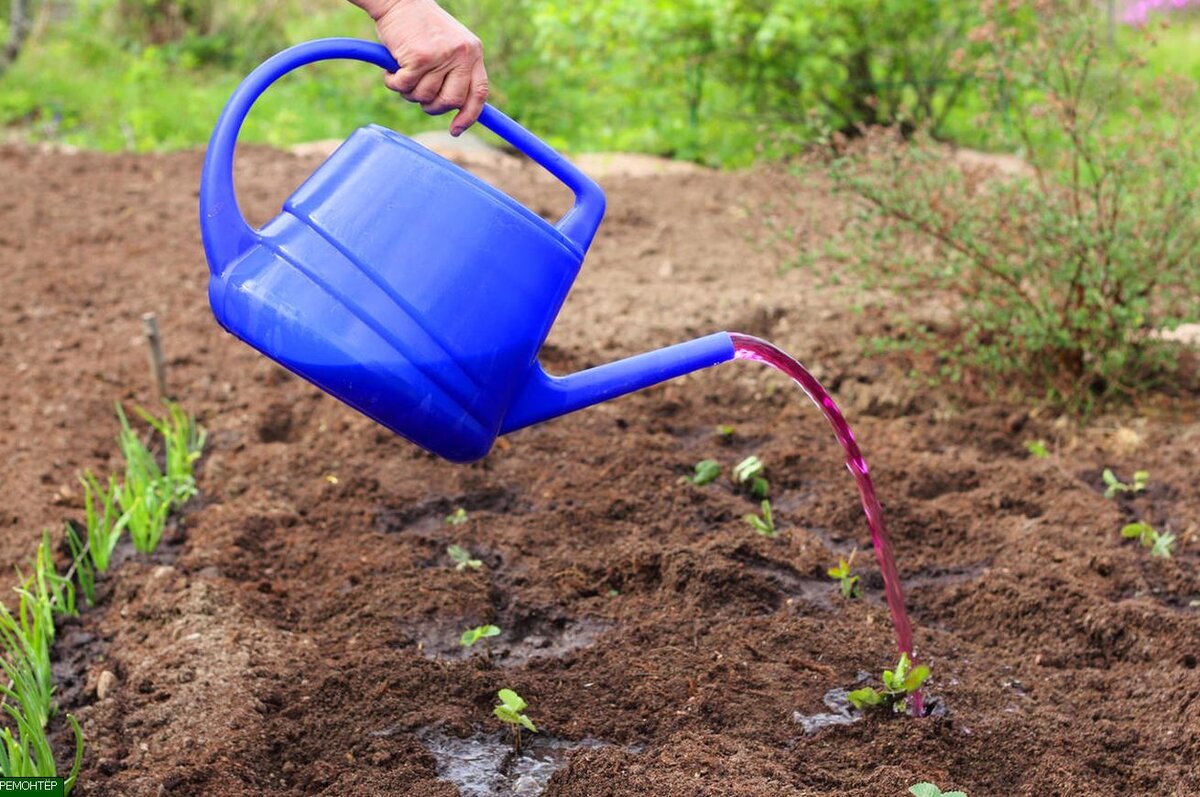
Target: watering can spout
{"x": 543, "y": 397}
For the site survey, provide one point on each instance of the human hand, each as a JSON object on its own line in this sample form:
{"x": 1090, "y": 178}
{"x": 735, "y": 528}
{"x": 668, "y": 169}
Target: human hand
{"x": 441, "y": 62}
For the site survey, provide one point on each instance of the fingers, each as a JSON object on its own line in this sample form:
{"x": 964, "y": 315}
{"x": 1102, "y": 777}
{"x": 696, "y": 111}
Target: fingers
{"x": 406, "y": 78}
{"x": 477, "y": 95}
{"x": 452, "y": 94}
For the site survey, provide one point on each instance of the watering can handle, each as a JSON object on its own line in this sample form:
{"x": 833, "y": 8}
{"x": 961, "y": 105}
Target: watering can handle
{"x": 225, "y": 231}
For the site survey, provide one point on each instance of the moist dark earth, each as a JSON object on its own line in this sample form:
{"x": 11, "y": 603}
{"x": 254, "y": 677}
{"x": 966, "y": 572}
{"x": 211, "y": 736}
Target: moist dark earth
{"x": 297, "y": 631}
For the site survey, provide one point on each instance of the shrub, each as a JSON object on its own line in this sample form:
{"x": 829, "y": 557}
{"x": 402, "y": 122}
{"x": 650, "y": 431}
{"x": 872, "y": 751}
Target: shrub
{"x": 1063, "y": 276}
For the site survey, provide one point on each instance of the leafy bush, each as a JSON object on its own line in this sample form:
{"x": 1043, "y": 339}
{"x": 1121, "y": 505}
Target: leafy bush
{"x": 1067, "y": 273}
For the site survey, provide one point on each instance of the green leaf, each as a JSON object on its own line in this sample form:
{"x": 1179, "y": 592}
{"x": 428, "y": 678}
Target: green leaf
{"x": 759, "y": 487}
{"x": 916, "y": 678}
{"x": 473, "y": 635}
{"x": 1162, "y": 545}
{"x": 512, "y": 701}
{"x": 1037, "y": 448}
{"x": 527, "y": 723}
{"x": 867, "y": 696}
{"x": 925, "y": 790}
{"x": 707, "y": 470}
{"x": 1134, "y": 531}
{"x": 747, "y": 469}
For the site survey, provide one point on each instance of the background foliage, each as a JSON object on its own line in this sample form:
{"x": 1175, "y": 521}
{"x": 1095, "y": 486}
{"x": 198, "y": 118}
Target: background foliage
{"x": 719, "y": 81}
{"x": 1064, "y": 276}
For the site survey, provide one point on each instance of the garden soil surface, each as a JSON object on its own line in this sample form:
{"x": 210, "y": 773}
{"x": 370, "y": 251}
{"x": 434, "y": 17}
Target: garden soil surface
{"x": 297, "y": 632}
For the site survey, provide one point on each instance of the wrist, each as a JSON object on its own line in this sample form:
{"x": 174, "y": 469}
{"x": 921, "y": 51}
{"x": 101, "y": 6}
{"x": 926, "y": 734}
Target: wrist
{"x": 378, "y": 9}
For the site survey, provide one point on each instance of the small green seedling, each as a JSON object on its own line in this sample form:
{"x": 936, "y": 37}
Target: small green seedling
{"x": 1037, "y": 448}
{"x": 511, "y": 712}
{"x": 725, "y": 431}
{"x": 706, "y": 472}
{"x": 1160, "y": 543}
{"x": 457, "y": 517}
{"x": 898, "y": 685}
{"x": 1113, "y": 485}
{"x": 764, "y": 525}
{"x": 105, "y": 521}
{"x": 85, "y": 572}
{"x": 847, "y": 581}
{"x": 929, "y": 790}
{"x": 473, "y": 635}
{"x": 749, "y": 472}
{"x": 462, "y": 558}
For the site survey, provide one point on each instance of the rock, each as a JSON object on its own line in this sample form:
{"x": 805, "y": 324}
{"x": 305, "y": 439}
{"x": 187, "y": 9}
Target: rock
{"x": 105, "y": 684}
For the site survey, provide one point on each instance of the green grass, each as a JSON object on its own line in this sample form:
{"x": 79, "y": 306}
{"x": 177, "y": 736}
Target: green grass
{"x": 27, "y": 635}
{"x": 25, "y": 641}
{"x": 80, "y": 84}
{"x": 149, "y": 492}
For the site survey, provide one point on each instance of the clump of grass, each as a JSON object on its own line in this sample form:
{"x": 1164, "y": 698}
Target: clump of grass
{"x": 1160, "y": 543}
{"x": 183, "y": 440}
{"x": 25, "y": 640}
{"x": 149, "y": 493}
{"x": 85, "y": 573}
{"x": 141, "y": 503}
{"x": 105, "y": 521}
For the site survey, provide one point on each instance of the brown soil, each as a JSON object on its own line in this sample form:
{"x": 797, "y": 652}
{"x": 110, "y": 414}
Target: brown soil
{"x": 296, "y": 632}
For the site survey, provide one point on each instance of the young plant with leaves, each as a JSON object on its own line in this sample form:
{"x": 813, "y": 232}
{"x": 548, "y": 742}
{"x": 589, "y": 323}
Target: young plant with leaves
{"x": 145, "y": 496}
{"x": 85, "y": 572}
{"x": 898, "y": 685}
{"x": 1037, "y": 449}
{"x": 930, "y": 790}
{"x": 25, "y": 641}
{"x": 183, "y": 441}
{"x": 1113, "y": 485}
{"x": 1160, "y": 543}
{"x": 105, "y": 521}
{"x": 706, "y": 472}
{"x": 457, "y": 517}
{"x": 847, "y": 581}
{"x": 749, "y": 474}
{"x": 462, "y": 558}
{"x": 473, "y": 635}
{"x": 511, "y": 711}
{"x": 764, "y": 524}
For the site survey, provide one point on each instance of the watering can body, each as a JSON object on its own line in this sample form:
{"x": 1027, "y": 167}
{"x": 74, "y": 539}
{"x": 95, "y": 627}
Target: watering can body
{"x": 407, "y": 287}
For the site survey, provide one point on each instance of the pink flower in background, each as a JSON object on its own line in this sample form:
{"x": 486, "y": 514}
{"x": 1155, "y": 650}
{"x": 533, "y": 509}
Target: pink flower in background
{"x": 1138, "y": 12}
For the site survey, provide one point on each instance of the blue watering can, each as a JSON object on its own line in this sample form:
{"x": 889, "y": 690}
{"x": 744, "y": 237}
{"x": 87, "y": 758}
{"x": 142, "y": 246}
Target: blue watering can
{"x": 407, "y": 287}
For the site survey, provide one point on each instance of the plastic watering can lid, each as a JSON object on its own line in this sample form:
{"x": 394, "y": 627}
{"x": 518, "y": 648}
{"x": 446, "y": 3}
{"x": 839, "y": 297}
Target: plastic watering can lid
{"x": 226, "y": 233}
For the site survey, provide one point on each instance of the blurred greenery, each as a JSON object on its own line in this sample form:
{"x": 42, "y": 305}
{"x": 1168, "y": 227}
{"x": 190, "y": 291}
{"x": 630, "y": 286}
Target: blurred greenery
{"x": 717, "y": 81}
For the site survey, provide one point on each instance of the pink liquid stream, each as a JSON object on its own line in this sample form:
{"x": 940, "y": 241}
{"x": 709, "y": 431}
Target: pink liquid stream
{"x": 750, "y": 348}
